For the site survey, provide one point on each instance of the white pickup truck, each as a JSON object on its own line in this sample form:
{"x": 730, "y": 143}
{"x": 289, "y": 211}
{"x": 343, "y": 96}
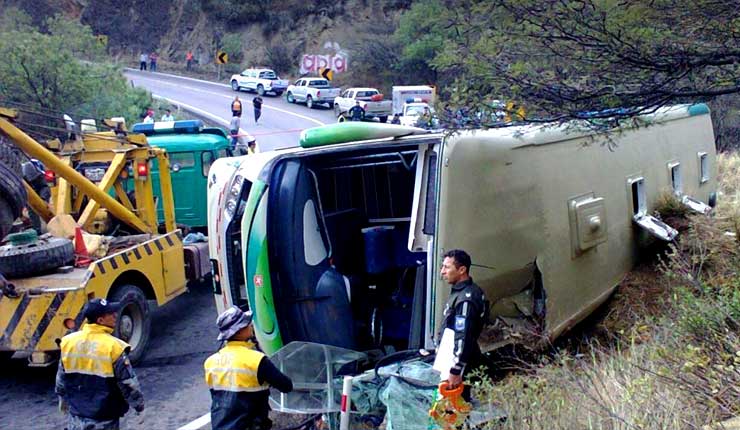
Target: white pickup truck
{"x": 260, "y": 80}
{"x": 370, "y": 99}
{"x": 312, "y": 91}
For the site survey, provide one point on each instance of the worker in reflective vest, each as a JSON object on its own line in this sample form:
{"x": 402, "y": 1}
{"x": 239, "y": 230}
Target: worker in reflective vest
{"x": 239, "y": 376}
{"x": 95, "y": 381}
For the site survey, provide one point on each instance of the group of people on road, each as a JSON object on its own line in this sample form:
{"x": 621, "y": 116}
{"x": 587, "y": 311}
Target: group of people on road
{"x": 97, "y": 385}
{"x": 235, "y": 126}
{"x": 151, "y": 58}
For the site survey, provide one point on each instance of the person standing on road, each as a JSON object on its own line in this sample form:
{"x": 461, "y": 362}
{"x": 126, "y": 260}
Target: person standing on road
{"x": 356, "y": 112}
{"x": 189, "y": 60}
{"x": 239, "y": 376}
{"x": 465, "y": 314}
{"x": 168, "y": 115}
{"x": 234, "y": 127}
{"x": 143, "y": 58}
{"x": 149, "y": 117}
{"x": 153, "y": 57}
{"x": 95, "y": 382}
{"x": 257, "y": 105}
{"x": 236, "y": 107}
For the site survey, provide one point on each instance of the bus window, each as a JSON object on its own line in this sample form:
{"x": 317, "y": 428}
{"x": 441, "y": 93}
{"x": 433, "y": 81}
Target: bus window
{"x": 206, "y": 158}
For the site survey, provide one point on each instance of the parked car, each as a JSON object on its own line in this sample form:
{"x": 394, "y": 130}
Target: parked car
{"x": 312, "y": 91}
{"x": 262, "y": 81}
{"x": 370, "y": 99}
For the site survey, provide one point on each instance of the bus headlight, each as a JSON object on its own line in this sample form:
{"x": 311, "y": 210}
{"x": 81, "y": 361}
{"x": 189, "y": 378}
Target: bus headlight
{"x": 233, "y": 195}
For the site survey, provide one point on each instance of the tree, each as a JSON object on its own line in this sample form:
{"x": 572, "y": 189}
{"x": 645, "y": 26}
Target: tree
{"x": 59, "y": 72}
{"x": 568, "y": 59}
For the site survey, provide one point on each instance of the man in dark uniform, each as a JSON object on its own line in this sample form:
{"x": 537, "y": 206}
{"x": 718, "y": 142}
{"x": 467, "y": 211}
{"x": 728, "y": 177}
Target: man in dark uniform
{"x": 239, "y": 376}
{"x": 95, "y": 381}
{"x": 356, "y": 112}
{"x": 465, "y": 313}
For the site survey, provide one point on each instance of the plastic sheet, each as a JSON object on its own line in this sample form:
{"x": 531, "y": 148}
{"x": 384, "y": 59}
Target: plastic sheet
{"x": 316, "y": 371}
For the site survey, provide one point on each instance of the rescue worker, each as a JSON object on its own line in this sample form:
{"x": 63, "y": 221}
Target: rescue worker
{"x": 356, "y": 112}
{"x": 95, "y": 381}
{"x": 465, "y": 314}
{"x": 236, "y": 107}
{"x": 239, "y": 376}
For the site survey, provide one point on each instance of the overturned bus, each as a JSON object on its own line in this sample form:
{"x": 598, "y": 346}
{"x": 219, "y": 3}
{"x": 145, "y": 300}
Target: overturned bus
{"x": 340, "y": 241}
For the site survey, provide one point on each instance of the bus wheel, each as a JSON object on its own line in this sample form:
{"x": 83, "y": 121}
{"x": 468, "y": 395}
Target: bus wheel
{"x": 134, "y": 320}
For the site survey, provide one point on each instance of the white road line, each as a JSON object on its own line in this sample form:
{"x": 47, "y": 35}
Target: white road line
{"x": 197, "y": 423}
{"x": 264, "y": 106}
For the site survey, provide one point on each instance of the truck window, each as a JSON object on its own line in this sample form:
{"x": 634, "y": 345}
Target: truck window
{"x": 183, "y": 159}
{"x": 221, "y": 153}
{"x": 267, "y": 74}
{"x": 206, "y": 159}
{"x": 318, "y": 83}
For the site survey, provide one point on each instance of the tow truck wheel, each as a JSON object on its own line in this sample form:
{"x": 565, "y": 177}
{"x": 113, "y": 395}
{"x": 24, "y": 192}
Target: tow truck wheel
{"x": 260, "y": 90}
{"x": 134, "y": 320}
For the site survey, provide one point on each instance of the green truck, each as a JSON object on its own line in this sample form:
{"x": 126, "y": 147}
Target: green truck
{"x": 192, "y": 148}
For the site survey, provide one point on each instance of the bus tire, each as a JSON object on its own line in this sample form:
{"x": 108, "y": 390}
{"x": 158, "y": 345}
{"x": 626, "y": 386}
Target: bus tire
{"x": 134, "y": 321}
{"x": 37, "y": 257}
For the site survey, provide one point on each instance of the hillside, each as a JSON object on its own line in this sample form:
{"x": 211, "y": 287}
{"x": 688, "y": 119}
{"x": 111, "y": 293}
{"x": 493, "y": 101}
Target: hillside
{"x": 269, "y": 32}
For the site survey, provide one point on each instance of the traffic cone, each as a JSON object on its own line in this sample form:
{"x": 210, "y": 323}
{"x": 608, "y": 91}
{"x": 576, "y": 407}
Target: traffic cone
{"x": 82, "y": 258}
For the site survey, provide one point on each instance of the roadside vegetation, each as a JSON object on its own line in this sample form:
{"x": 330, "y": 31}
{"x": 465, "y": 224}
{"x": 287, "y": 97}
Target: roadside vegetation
{"x": 665, "y": 353}
{"x": 59, "y": 69}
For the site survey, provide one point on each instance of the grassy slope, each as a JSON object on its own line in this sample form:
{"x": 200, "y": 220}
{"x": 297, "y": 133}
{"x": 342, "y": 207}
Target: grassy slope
{"x": 670, "y": 359}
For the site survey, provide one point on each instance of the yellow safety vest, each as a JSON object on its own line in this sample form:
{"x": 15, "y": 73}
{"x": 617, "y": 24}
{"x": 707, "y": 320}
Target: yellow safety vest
{"x": 92, "y": 351}
{"x": 234, "y": 368}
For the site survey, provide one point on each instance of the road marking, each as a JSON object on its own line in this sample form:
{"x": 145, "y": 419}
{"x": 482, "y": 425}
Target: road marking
{"x": 197, "y": 423}
{"x": 307, "y": 118}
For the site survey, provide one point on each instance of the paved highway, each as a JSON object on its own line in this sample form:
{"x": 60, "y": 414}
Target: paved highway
{"x": 279, "y": 126}
{"x": 183, "y": 331}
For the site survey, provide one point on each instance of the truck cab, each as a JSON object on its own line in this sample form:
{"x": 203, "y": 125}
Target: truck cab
{"x": 192, "y": 149}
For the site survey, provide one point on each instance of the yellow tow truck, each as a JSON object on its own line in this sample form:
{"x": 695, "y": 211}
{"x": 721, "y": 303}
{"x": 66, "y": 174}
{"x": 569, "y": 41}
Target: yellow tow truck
{"x": 142, "y": 265}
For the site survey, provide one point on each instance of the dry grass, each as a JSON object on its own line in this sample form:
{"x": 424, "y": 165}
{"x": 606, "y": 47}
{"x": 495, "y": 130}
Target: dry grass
{"x": 672, "y": 356}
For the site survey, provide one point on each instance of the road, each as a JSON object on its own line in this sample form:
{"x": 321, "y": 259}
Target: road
{"x": 183, "y": 331}
{"x": 279, "y": 126}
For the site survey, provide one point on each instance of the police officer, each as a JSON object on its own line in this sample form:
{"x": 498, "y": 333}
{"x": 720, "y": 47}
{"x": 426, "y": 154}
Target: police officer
{"x": 356, "y": 112}
{"x": 465, "y": 314}
{"x": 95, "y": 381}
{"x": 239, "y": 376}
